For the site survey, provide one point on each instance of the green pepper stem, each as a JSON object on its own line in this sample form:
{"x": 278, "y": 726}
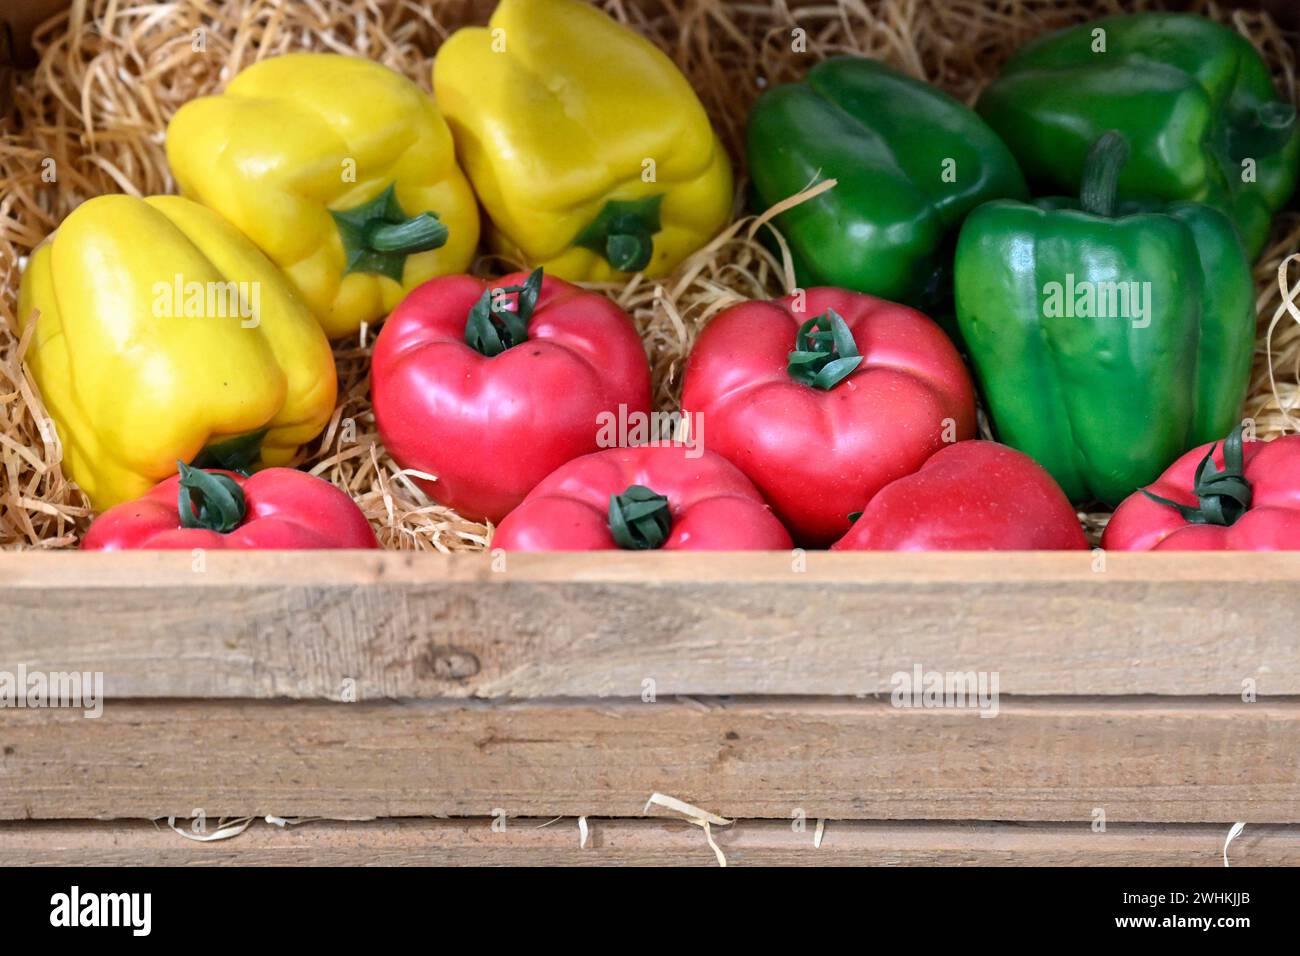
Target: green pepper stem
{"x": 639, "y": 519}
{"x": 417, "y": 234}
{"x": 1101, "y": 171}
{"x": 209, "y": 500}
{"x": 1263, "y": 132}
{"x": 1222, "y": 496}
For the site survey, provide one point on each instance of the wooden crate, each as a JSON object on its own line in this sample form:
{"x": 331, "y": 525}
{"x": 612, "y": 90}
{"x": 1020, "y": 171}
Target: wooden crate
{"x": 511, "y": 691}
{"x": 415, "y": 703}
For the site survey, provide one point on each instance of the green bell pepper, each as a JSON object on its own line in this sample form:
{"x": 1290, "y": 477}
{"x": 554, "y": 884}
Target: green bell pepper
{"x": 1194, "y": 99}
{"x": 1107, "y": 341}
{"x": 910, "y": 161}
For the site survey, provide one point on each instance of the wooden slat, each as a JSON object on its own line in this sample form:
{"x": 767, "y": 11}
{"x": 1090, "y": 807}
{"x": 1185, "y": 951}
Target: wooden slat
{"x": 623, "y": 842}
{"x": 1052, "y": 760}
{"x": 253, "y": 625}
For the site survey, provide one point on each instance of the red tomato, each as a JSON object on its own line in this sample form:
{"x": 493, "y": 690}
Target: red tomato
{"x": 666, "y": 496}
{"x": 1248, "y": 499}
{"x": 492, "y": 419}
{"x": 971, "y": 496}
{"x": 817, "y": 432}
{"x": 275, "y": 509}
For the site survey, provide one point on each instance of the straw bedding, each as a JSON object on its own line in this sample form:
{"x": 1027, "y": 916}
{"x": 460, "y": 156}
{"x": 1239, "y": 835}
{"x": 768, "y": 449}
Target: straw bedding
{"x": 112, "y": 72}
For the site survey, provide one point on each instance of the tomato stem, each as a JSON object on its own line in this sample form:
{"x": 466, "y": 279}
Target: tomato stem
{"x": 824, "y": 352}
{"x": 491, "y": 328}
{"x": 639, "y": 519}
{"x": 1222, "y": 496}
{"x": 209, "y": 500}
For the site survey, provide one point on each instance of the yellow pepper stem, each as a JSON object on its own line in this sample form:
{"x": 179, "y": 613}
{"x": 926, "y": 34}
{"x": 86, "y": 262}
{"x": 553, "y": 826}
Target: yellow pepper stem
{"x": 417, "y": 234}
{"x": 238, "y": 454}
{"x": 623, "y": 232}
{"x": 378, "y": 235}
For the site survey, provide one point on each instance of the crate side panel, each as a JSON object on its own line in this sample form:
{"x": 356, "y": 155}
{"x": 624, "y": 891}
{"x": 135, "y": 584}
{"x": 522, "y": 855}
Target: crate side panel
{"x": 1054, "y": 760}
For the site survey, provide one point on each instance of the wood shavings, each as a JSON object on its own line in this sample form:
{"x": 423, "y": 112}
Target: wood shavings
{"x": 694, "y": 815}
{"x": 225, "y": 829}
{"x": 1233, "y": 833}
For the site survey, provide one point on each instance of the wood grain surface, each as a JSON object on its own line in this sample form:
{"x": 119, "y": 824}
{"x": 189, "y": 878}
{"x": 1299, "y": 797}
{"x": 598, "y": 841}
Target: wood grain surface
{"x": 624, "y": 842}
{"x": 390, "y": 625}
{"x": 1060, "y": 760}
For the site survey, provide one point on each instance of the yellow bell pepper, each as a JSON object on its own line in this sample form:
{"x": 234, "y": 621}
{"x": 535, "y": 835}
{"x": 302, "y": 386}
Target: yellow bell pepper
{"x": 339, "y": 169}
{"x": 586, "y": 146}
{"x": 162, "y": 332}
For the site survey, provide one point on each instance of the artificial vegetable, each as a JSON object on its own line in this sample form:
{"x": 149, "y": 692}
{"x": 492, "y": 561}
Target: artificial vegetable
{"x": 970, "y": 496}
{"x": 671, "y": 496}
{"x": 489, "y": 387}
{"x": 909, "y": 160}
{"x": 1193, "y": 98}
{"x": 1233, "y": 495}
{"x": 341, "y": 170}
{"x": 275, "y": 509}
{"x": 824, "y": 397}
{"x": 162, "y": 332}
{"x": 587, "y": 147}
{"x": 1106, "y": 342}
